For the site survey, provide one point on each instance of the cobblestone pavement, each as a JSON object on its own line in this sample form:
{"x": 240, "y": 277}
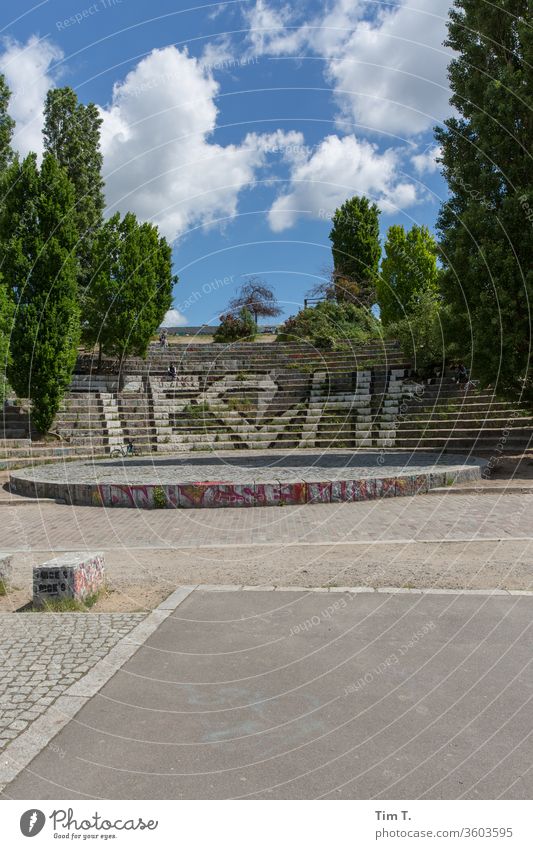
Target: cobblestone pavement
{"x": 46, "y": 526}
{"x": 42, "y": 654}
{"x": 260, "y": 468}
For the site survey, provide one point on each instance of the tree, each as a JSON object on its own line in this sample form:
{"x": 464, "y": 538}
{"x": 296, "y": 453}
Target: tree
{"x": 419, "y": 331}
{"x": 408, "y": 267}
{"x": 486, "y": 226}
{"x": 131, "y": 289}
{"x": 233, "y": 328}
{"x": 6, "y": 126}
{"x": 330, "y": 325}
{"x": 356, "y": 251}
{"x": 40, "y": 268}
{"x": 72, "y": 134}
{"x": 257, "y": 298}
{"x": 6, "y": 320}
{"x": 6, "y": 301}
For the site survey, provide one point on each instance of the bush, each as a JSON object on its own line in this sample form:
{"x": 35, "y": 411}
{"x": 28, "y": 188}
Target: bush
{"x": 233, "y": 327}
{"x": 330, "y": 325}
{"x": 160, "y": 499}
{"x": 194, "y": 410}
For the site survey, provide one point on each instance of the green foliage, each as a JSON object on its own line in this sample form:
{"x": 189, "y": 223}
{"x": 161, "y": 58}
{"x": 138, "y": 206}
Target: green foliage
{"x": 68, "y": 605}
{"x": 72, "y": 134}
{"x": 131, "y": 289}
{"x": 6, "y": 126}
{"x": 235, "y": 328}
{"x": 356, "y": 251}
{"x": 420, "y": 331}
{"x": 487, "y": 224}
{"x": 159, "y": 497}
{"x": 238, "y": 403}
{"x": 40, "y": 268}
{"x": 7, "y": 309}
{"x": 195, "y": 411}
{"x": 408, "y": 267}
{"x": 330, "y": 325}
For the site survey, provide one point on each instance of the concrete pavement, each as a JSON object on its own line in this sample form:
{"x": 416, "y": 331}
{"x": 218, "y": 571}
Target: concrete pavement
{"x": 295, "y": 694}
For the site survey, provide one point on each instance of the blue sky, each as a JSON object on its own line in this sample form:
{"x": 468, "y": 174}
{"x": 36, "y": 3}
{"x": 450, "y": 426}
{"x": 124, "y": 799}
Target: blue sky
{"x": 239, "y": 127}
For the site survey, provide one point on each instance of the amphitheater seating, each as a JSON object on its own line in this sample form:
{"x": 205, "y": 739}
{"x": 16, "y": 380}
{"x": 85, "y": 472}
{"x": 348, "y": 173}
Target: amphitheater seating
{"x": 266, "y": 395}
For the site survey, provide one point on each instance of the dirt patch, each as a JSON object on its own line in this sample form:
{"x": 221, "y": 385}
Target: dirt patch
{"x": 140, "y": 580}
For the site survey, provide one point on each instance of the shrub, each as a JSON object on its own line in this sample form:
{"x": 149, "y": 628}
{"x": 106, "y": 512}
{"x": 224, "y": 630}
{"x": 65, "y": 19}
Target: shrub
{"x": 196, "y": 411}
{"x": 233, "y": 327}
{"x": 329, "y": 325}
{"x": 160, "y": 499}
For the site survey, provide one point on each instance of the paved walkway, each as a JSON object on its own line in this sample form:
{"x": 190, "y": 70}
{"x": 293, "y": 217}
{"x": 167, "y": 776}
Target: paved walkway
{"x": 47, "y": 526}
{"x": 248, "y": 694}
{"x": 42, "y": 654}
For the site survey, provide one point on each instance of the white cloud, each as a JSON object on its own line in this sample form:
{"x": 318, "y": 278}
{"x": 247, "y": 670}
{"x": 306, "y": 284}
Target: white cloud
{"x": 387, "y": 68}
{"x": 218, "y": 54}
{"x": 328, "y": 33}
{"x": 28, "y": 73}
{"x": 391, "y": 73}
{"x": 335, "y": 170}
{"x": 158, "y": 159}
{"x": 174, "y": 318}
{"x": 271, "y": 32}
{"x": 426, "y": 162}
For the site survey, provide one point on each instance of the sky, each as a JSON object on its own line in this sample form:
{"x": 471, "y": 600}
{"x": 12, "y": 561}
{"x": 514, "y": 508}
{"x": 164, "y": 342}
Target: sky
{"x": 238, "y": 128}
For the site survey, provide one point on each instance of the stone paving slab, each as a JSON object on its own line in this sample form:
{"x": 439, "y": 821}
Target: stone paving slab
{"x": 420, "y": 518}
{"x": 300, "y": 695}
{"x": 43, "y": 654}
{"x": 260, "y": 480}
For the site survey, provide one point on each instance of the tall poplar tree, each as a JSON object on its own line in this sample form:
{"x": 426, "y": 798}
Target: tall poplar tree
{"x": 486, "y": 226}
{"x": 40, "y": 268}
{"x": 356, "y": 251}
{"x": 408, "y": 268}
{"x": 132, "y": 286}
{"x": 6, "y": 126}
{"x": 72, "y": 134}
{"x": 6, "y": 301}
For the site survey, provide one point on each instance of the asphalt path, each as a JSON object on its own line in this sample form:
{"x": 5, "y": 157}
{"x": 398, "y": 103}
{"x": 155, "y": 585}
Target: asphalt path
{"x": 306, "y": 695}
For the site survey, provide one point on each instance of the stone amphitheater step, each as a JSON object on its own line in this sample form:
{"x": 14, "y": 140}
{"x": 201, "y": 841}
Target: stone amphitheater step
{"x": 43, "y": 450}
{"x": 320, "y": 399}
{"x": 461, "y": 431}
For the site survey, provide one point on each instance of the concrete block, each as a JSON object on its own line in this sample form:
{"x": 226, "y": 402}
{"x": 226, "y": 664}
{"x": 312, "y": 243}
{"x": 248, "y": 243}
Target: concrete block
{"x": 343, "y": 491}
{"x": 365, "y": 489}
{"x": 292, "y": 493}
{"x": 319, "y": 492}
{"x": 197, "y": 494}
{"x": 6, "y": 568}
{"x": 74, "y": 575}
{"x": 385, "y": 487}
{"x": 267, "y": 494}
{"x": 234, "y": 495}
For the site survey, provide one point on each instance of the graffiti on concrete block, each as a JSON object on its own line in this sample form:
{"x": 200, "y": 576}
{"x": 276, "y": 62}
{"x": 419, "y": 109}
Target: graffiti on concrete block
{"x": 267, "y": 494}
{"x": 319, "y": 492}
{"x": 234, "y": 495}
{"x": 292, "y": 493}
{"x": 70, "y": 576}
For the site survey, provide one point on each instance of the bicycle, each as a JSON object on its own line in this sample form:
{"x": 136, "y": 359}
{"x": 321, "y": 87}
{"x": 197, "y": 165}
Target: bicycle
{"x": 470, "y": 384}
{"x": 128, "y": 450}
